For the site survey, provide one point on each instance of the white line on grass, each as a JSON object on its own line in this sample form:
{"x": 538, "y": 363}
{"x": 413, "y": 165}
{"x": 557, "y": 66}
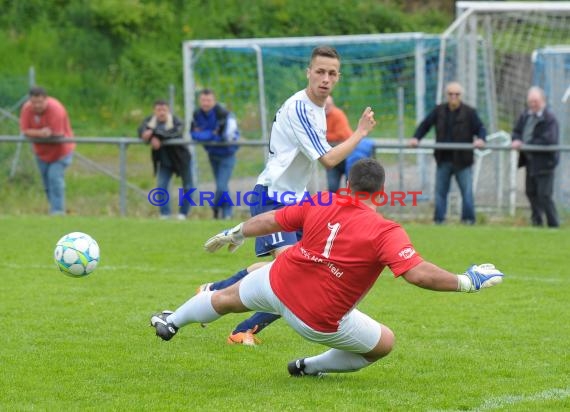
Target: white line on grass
{"x": 504, "y": 401}
{"x": 544, "y": 279}
{"x": 509, "y": 400}
{"x": 210, "y": 270}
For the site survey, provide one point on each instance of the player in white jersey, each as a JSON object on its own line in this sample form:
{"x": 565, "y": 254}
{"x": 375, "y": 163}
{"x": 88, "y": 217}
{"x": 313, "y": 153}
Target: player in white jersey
{"x": 298, "y": 140}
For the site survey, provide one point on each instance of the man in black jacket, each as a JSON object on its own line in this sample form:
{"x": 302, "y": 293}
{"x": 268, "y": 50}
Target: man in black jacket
{"x": 538, "y": 126}
{"x": 167, "y": 159}
{"x": 455, "y": 122}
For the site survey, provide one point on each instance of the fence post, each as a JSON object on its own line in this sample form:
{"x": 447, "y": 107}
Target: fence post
{"x": 123, "y": 175}
{"x": 401, "y": 138}
{"x": 171, "y": 97}
{"x": 513, "y": 163}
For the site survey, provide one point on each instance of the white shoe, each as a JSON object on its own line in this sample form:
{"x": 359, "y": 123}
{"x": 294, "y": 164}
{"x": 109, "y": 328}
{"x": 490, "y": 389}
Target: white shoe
{"x": 181, "y": 216}
{"x": 164, "y": 217}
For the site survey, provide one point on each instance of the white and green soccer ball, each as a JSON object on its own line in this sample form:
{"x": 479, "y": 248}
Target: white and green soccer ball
{"x": 76, "y": 254}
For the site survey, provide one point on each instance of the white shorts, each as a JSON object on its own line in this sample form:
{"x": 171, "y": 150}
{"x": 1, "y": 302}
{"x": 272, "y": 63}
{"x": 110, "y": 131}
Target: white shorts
{"x": 357, "y": 332}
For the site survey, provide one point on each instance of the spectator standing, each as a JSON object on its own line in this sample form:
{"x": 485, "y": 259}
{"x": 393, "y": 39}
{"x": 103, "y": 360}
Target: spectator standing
{"x": 454, "y": 122}
{"x": 213, "y": 123}
{"x": 338, "y": 130}
{"x": 537, "y": 125}
{"x": 43, "y": 116}
{"x": 167, "y": 160}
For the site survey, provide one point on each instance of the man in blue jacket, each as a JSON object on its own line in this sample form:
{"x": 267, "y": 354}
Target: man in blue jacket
{"x": 212, "y": 123}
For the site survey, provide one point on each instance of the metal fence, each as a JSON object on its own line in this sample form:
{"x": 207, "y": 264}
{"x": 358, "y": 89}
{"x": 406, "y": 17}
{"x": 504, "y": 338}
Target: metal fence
{"x": 401, "y": 163}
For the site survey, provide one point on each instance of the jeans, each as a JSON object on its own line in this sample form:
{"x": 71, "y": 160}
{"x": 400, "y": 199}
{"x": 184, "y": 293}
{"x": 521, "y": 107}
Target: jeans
{"x": 539, "y": 190}
{"x": 54, "y": 182}
{"x": 464, "y": 179}
{"x": 334, "y": 176}
{"x": 222, "y": 168}
{"x": 163, "y": 176}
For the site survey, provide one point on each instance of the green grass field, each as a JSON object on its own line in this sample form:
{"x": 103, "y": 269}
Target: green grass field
{"x": 85, "y": 344}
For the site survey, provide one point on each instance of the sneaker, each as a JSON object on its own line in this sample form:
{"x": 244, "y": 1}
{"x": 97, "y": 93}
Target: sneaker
{"x": 164, "y": 329}
{"x": 181, "y": 216}
{"x": 205, "y": 287}
{"x": 297, "y": 369}
{"x": 244, "y": 338}
{"x": 164, "y": 217}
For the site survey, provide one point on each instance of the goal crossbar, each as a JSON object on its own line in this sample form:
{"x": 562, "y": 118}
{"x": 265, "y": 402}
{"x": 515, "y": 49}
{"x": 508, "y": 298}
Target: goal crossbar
{"x": 492, "y": 6}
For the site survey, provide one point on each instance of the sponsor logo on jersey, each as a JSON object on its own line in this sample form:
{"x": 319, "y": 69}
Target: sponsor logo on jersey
{"x": 407, "y": 253}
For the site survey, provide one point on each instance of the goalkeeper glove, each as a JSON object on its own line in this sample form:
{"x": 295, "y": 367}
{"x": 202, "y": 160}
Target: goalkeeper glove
{"x": 478, "y": 277}
{"x": 232, "y": 237}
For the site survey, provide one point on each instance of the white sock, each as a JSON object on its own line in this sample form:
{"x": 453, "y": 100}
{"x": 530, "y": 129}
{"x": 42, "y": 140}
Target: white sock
{"x": 198, "y": 309}
{"x": 335, "y": 360}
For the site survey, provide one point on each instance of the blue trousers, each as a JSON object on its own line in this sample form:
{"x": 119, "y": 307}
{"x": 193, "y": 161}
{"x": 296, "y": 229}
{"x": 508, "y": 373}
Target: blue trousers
{"x": 464, "y": 179}
{"x": 163, "y": 177}
{"x": 54, "y": 182}
{"x": 222, "y": 169}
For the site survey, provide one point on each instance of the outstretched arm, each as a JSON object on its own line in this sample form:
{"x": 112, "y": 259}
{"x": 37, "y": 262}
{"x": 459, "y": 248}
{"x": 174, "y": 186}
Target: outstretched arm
{"x": 259, "y": 225}
{"x": 429, "y": 276}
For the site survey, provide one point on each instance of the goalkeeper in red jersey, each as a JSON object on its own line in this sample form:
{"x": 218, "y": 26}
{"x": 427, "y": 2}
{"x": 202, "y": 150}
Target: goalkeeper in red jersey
{"x": 316, "y": 284}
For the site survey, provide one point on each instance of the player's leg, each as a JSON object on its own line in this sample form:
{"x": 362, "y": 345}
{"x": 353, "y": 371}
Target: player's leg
{"x": 204, "y": 307}
{"x": 222, "y": 284}
{"x": 273, "y": 245}
{"x": 359, "y": 342}
{"x": 442, "y": 183}
{"x": 244, "y": 333}
{"x": 248, "y": 294}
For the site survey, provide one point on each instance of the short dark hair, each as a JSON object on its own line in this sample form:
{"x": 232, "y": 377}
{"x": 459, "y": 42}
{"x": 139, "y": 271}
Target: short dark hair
{"x": 325, "y": 51}
{"x": 207, "y": 92}
{"x": 37, "y": 91}
{"x": 366, "y": 175}
{"x": 161, "y": 102}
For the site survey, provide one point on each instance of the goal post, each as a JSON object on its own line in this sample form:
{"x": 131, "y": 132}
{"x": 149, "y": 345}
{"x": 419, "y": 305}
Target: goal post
{"x": 498, "y": 50}
{"x": 253, "y": 77}
{"x": 260, "y": 74}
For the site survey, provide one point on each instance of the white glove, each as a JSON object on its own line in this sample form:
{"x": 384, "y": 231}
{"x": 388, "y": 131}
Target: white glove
{"x": 232, "y": 237}
{"x": 478, "y": 277}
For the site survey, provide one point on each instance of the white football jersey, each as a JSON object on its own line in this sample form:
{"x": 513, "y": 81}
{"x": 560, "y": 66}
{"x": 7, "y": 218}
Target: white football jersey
{"x": 298, "y": 139}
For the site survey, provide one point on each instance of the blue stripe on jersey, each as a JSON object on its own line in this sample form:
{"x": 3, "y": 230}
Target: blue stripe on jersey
{"x": 313, "y": 136}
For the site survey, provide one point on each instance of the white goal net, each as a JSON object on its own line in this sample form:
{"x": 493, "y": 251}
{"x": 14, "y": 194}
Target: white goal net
{"x": 497, "y": 50}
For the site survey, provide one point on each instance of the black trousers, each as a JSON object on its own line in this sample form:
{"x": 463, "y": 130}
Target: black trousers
{"x": 539, "y": 190}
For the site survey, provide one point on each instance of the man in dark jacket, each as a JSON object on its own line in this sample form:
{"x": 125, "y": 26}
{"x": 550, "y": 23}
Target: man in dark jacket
{"x": 167, "y": 159}
{"x": 538, "y": 126}
{"x": 455, "y": 122}
{"x": 212, "y": 123}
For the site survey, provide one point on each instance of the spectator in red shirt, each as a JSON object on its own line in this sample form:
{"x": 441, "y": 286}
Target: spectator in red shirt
{"x": 316, "y": 284}
{"x": 43, "y": 116}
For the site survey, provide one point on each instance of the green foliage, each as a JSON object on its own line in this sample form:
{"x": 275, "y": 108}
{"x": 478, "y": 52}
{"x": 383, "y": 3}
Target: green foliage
{"x": 85, "y": 344}
{"x": 108, "y": 59}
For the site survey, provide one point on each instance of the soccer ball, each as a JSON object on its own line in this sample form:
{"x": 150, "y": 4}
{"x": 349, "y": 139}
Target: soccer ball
{"x": 76, "y": 254}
